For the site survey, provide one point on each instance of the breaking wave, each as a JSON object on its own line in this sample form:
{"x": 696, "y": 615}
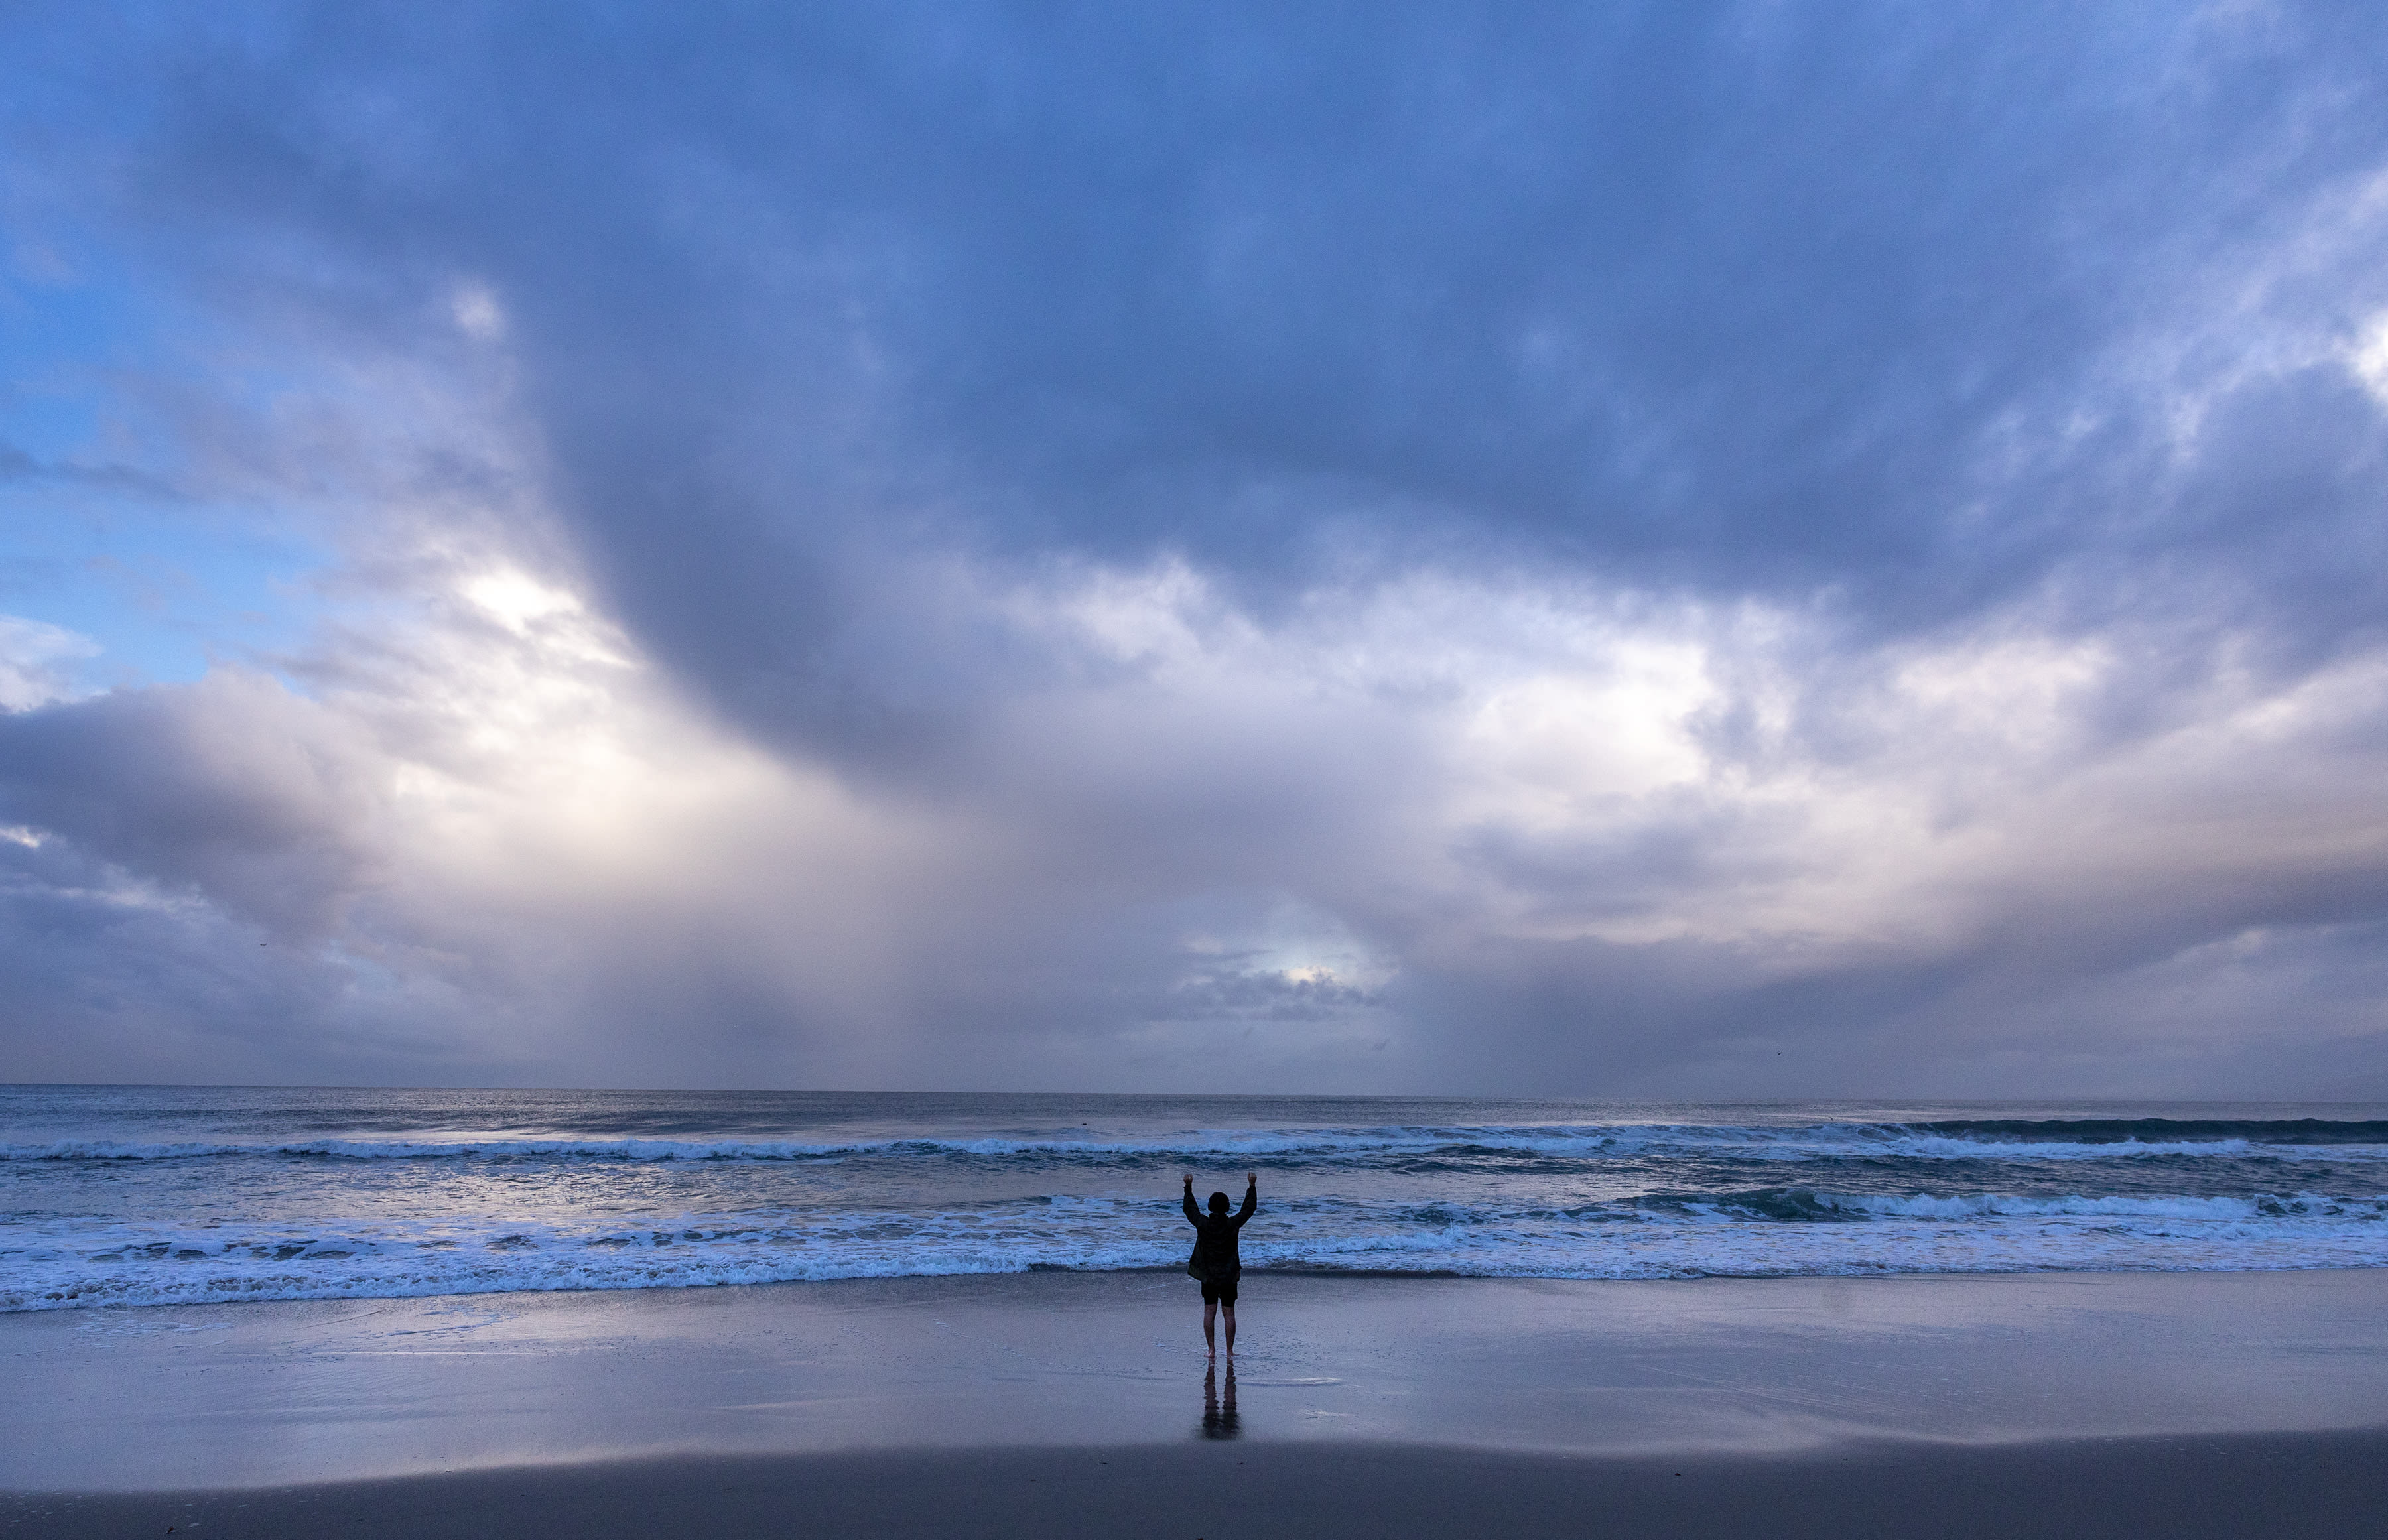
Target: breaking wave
{"x": 279, "y": 1197}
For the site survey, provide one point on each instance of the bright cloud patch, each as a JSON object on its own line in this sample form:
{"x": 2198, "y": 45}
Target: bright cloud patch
{"x": 34, "y": 662}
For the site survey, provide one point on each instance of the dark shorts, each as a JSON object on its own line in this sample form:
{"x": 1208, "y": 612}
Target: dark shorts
{"x": 1222, "y": 1293}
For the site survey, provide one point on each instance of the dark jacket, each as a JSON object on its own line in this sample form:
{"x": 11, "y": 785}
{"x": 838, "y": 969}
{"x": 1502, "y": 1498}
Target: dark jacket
{"x": 1216, "y": 1259}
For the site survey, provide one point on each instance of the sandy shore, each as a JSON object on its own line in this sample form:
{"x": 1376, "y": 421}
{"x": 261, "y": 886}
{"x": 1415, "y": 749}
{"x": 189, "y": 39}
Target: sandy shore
{"x": 2311, "y": 1484}
{"x": 1080, "y": 1404}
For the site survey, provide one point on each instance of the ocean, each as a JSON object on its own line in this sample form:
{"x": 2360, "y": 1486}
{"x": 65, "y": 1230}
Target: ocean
{"x": 115, "y": 1195}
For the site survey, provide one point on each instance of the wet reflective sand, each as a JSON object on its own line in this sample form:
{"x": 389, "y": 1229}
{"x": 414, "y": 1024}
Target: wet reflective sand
{"x": 259, "y": 1395}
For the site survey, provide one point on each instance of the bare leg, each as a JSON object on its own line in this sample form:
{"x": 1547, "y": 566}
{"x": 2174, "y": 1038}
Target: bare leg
{"x": 1231, "y": 1328}
{"x": 1210, "y": 1312}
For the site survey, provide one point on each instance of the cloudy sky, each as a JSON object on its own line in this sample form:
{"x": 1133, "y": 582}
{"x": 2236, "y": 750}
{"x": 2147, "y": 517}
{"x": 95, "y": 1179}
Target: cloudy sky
{"x": 1677, "y": 549}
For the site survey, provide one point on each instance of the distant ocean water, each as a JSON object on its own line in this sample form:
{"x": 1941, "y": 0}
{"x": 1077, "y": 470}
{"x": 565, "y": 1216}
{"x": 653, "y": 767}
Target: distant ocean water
{"x": 151, "y": 1195}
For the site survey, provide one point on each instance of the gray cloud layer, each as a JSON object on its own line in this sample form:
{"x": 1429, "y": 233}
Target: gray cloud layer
{"x": 1741, "y": 549}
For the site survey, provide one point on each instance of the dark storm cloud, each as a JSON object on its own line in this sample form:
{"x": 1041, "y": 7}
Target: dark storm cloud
{"x": 229, "y": 788}
{"x": 1048, "y": 417}
{"x": 1758, "y": 298}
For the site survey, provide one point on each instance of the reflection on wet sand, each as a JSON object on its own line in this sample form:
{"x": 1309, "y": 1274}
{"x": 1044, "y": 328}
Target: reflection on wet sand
{"x": 1219, "y": 1419}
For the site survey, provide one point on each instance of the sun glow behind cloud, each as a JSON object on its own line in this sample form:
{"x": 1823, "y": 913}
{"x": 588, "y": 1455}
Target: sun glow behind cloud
{"x": 534, "y": 817}
{"x": 556, "y": 816}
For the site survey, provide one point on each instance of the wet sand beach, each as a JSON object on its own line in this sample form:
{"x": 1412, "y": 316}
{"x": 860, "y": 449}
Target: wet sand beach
{"x": 1077, "y": 1403}
{"x": 2284, "y": 1484}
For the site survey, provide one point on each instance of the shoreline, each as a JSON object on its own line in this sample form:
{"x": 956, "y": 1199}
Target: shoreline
{"x": 2292, "y": 1484}
{"x": 1175, "y": 1270}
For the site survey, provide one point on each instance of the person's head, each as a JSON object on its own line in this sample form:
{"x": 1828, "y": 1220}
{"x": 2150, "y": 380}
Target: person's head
{"x": 1218, "y": 1203}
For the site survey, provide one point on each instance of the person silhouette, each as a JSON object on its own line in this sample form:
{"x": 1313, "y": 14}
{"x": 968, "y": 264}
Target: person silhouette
{"x": 1216, "y": 1260}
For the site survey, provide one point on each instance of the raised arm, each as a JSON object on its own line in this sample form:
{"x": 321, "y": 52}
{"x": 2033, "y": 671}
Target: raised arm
{"x": 1251, "y": 1196}
{"x": 1193, "y": 1214}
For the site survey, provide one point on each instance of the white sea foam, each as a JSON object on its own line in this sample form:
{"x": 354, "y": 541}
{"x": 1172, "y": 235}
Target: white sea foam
{"x": 96, "y": 1262}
